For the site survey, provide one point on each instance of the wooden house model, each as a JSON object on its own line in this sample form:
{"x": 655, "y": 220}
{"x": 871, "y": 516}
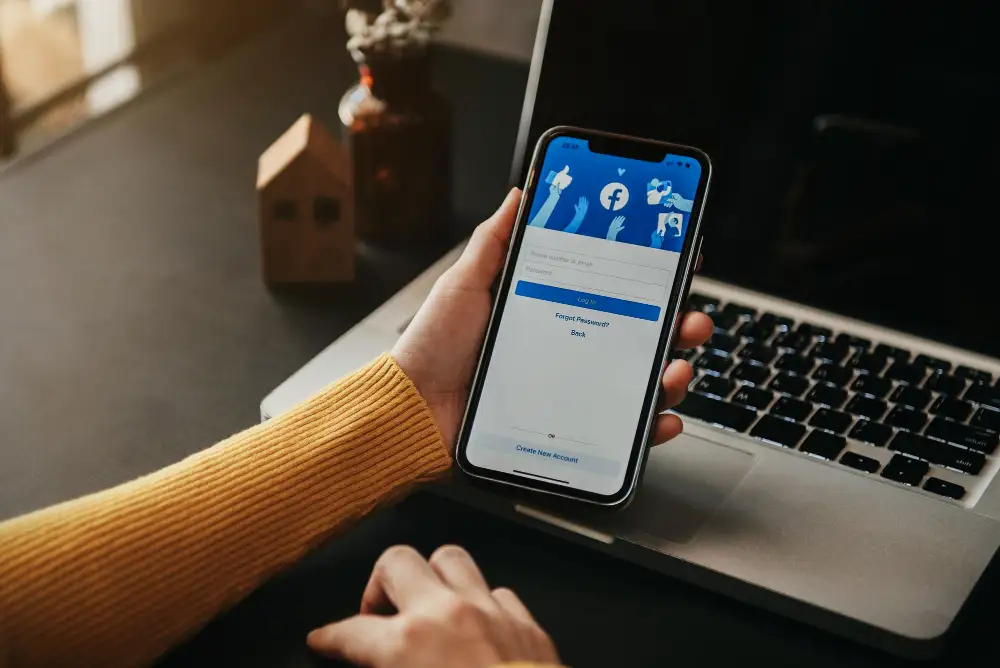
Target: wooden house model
{"x": 306, "y": 198}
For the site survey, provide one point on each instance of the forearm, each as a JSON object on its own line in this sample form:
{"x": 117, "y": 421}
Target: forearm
{"x": 122, "y": 575}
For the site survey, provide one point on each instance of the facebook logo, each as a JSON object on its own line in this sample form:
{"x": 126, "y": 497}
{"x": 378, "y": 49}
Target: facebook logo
{"x": 614, "y": 196}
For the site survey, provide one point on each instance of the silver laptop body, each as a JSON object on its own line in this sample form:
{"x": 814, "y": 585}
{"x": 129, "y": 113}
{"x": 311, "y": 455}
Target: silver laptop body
{"x": 887, "y": 563}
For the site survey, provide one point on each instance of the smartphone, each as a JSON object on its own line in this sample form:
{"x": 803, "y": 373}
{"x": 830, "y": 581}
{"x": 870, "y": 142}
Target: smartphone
{"x": 606, "y": 241}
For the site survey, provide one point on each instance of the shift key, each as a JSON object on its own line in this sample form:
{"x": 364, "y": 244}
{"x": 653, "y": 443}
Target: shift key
{"x": 938, "y": 453}
{"x": 717, "y": 412}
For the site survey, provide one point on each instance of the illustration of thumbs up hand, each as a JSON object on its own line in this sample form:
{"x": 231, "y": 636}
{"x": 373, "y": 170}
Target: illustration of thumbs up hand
{"x": 617, "y": 225}
{"x": 562, "y": 179}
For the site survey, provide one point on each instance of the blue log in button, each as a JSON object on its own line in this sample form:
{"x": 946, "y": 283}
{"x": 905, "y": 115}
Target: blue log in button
{"x": 551, "y": 293}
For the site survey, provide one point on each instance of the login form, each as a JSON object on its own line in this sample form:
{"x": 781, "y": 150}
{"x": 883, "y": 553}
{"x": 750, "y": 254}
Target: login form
{"x": 563, "y": 394}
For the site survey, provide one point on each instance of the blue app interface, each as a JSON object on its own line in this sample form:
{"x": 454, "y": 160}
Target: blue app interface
{"x": 577, "y": 340}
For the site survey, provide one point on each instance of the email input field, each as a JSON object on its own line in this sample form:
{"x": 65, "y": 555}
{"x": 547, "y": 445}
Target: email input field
{"x": 614, "y": 277}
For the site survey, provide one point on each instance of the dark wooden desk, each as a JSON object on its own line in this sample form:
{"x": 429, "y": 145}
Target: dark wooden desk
{"x": 136, "y": 331}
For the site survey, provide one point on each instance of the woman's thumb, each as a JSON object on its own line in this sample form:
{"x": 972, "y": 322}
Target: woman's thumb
{"x": 484, "y": 255}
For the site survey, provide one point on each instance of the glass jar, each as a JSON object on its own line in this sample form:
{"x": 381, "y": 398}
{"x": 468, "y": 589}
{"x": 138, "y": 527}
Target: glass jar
{"x": 398, "y": 130}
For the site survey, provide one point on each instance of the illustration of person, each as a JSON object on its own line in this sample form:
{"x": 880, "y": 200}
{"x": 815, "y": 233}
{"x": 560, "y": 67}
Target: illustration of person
{"x": 672, "y": 220}
{"x": 558, "y": 181}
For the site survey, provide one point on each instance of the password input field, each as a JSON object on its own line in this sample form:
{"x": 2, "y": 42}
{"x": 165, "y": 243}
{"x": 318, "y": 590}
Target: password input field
{"x": 613, "y": 277}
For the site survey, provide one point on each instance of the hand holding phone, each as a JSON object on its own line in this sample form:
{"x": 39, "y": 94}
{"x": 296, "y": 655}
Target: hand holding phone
{"x": 565, "y": 395}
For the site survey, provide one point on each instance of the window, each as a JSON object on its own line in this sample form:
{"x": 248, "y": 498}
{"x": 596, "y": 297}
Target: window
{"x": 326, "y": 210}
{"x": 286, "y": 210}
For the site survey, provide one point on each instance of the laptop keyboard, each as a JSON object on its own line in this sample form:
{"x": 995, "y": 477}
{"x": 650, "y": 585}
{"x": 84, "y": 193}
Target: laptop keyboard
{"x": 802, "y": 386}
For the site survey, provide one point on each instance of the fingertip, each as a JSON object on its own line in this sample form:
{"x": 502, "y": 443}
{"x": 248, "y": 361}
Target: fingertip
{"x": 668, "y": 427}
{"x": 314, "y": 639}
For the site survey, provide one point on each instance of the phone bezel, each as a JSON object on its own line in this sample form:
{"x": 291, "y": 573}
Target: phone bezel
{"x": 686, "y": 265}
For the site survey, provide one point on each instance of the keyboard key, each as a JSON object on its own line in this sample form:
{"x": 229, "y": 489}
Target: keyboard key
{"x": 739, "y": 309}
{"x": 793, "y": 409}
{"x": 973, "y": 438}
{"x": 945, "y": 384}
{"x": 871, "y": 385}
{"x": 758, "y": 352}
{"x": 793, "y": 386}
{"x": 986, "y": 419}
{"x": 827, "y": 395}
{"x": 755, "y": 331}
{"x": 933, "y": 362}
{"x": 751, "y": 373}
{"x": 897, "y": 354}
{"x": 796, "y": 341}
{"x": 906, "y": 470}
{"x": 829, "y": 352}
{"x": 944, "y": 488}
{"x": 752, "y": 397}
{"x": 860, "y": 462}
{"x": 722, "y": 343}
{"x": 866, "y": 407}
{"x": 872, "y": 433}
{"x": 867, "y": 362}
{"x": 724, "y": 322}
{"x": 938, "y": 452}
{"x": 851, "y": 341}
{"x": 956, "y": 409}
{"x": 718, "y": 364}
{"x": 717, "y": 412}
{"x": 830, "y": 420}
{"x": 775, "y": 430}
{"x": 902, "y": 417}
{"x": 794, "y": 364}
{"x": 777, "y": 322}
{"x": 982, "y": 393}
{"x": 715, "y": 386}
{"x": 824, "y": 445}
{"x": 977, "y": 375}
{"x": 683, "y": 354}
{"x": 833, "y": 374}
{"x": 699, "y": 302}
{"x": 821, "y": 333}
{"x": 914, "y": 397}
{"x": 906, "y": 373}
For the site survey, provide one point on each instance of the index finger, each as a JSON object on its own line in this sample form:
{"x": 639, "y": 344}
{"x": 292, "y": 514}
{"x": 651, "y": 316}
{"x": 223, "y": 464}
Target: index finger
{"x": 696, "y": 328}
{"x": 401, "y": 577}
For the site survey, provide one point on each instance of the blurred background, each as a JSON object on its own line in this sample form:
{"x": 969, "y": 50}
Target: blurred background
{"x": 64, "y": 62}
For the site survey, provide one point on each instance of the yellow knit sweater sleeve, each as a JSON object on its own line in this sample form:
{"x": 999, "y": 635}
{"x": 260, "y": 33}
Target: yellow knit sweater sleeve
{"x": 118, "y": 577}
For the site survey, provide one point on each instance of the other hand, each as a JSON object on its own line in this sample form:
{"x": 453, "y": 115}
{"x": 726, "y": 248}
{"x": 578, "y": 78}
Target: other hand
{"x": 617, "y": 225}
{"x": 440, "y": 348}
{"x": 445, "y": 616}
{"x": 656, "y": 239}
{"x": 675, "y": 200}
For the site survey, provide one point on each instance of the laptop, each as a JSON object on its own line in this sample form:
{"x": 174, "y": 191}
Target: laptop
{"x": 839, "y": 460}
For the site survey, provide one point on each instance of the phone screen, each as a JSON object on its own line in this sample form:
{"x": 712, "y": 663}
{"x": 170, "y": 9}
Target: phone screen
{"x": 582, "y": 318}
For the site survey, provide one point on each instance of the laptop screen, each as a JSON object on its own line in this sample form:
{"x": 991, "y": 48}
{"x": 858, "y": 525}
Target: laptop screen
{"x": 854, "y": 144}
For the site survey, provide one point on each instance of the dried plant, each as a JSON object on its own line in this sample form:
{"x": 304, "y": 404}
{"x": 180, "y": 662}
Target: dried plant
{"x": 400, "y": 25}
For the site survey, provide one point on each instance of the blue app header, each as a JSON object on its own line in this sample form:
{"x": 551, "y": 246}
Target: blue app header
{"x": 622, "y": 200}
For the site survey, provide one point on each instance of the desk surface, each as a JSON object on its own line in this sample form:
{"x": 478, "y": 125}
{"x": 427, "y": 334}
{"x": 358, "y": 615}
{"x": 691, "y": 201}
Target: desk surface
{"x": 136, "y": 331}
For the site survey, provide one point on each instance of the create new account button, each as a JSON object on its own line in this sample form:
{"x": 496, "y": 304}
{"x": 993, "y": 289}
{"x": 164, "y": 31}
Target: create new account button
{"x": 605, "y": 304}
{"x": 532, "y": 451}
